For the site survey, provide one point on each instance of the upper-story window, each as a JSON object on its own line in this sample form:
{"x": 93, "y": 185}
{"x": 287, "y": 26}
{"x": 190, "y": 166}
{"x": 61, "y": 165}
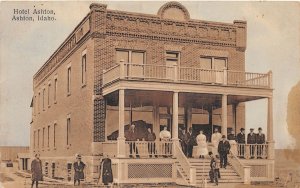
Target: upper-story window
{"x": 68, "y": 130}
{"x": 38, "y": 138}
{"x": 39, "y": 102}
{"x": 172, "y": 58}
{"x": 55, "y": 90}
{"x": 83, "y": 70}
{"x": 44, "y": 91}
{"x": 130, "y": 56}
{"x": 48, "y": 97}
{"x": 43, "y": 141}
{"x": 48, "y": 136}
{"x": 215, "y": 63}
{"x": 54, "y": 135}
{"x": 69, "y": 81}
{"x": 34, "y": 138}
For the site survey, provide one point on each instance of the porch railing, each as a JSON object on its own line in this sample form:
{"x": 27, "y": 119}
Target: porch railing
{"x": 147, "y": 149}
{"x": 252, "y": 151}
{"x": 241, "y": 169}
{"x": 188, "y": 171}
{"x": 156, "y": 72}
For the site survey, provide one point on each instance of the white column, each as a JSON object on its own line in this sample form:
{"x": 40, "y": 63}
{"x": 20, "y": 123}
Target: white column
{"x": 156, "y": 122}
{"x": 270, "y": 139}
{"x": 175, "y": 116}
{"x": 121, "y": 138}
{"x": 270, "y": 119}
{"x": 224, "y": 115}
{"x": 189, "y": 117}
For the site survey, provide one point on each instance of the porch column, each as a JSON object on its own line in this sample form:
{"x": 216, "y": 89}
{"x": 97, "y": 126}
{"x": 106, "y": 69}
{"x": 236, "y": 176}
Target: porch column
{"x": 188, "y": 112}
{"x": 234, "y": 117}
{"x": 224, "y": 115}
{"x": 121, "y": 137}
{"x": 156, "y": 122}
{"x": 175, "y": 117}
{"x": 270, "y": 139}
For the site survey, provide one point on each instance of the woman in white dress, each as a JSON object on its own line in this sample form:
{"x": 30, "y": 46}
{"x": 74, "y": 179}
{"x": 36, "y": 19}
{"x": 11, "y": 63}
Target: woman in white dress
{"x": 215, "y": 139}
{"x": 202, "y": 145}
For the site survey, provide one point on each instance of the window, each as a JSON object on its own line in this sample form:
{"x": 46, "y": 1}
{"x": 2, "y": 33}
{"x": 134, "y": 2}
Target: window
{"x": 34, "y": 137}
{"x": 129, "y": 56}
{"x": 44, "y": 99}
{"x": 69, "y": 81}
{"x": 172, "y": 58}
{"x": 49, "y": 89}
{"x": 83, "y": 70}
{"x": 55, "y": 89}
{"x": 38, "y": 139}
{"x": 43, "y": 141}
{"x": 215, "y": 63}
{"x": 48, "y": 136}
{"x": 54, "y": 135}
{"x": 39, "y": 102}
{"x": 68, "y": 130}
{"x": 35, "y": 105}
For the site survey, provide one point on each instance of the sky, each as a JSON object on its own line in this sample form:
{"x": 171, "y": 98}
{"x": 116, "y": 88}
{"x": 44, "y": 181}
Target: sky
{"x": 273, "y": 43}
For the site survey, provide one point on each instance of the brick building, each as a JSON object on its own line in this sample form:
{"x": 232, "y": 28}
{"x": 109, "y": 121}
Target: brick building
{"x": 118, "y": 68}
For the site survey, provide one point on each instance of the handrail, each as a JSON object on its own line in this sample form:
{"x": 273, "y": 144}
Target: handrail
{"x": 185, "y": 164}
{"x": 186, "y": 74}
{"x": 111, "y": 68}
{"x": 241, "y": 169}
{"x": 237, "y": 164}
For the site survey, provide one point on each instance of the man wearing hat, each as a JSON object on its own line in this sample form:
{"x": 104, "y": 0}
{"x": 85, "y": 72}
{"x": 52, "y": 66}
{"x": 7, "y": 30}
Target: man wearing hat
{"x": 251, "y": 139}
{"x": 241, "y": 140}
{"x": 223, "y": 149}
{"x": 260, "y": 139}
{"x": 78, "y": 168}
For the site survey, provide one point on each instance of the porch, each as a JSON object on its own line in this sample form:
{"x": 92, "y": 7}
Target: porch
{"x": 169, "y": 96}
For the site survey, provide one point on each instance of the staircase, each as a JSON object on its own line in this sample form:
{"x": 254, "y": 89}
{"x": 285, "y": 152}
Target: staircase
{"x": 202, "y": 166}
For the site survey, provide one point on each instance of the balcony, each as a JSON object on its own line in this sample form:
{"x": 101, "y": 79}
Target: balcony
{"x": 176, "y": 74}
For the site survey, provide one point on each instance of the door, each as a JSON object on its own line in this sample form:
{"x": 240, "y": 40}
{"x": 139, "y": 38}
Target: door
{"x": 172, "y": 60}
{"x": 219, "y": 64}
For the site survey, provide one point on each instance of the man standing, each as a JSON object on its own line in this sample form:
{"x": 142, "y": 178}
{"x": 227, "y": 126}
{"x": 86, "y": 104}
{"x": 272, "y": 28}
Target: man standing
{"x": 151, "y": 137}
{"x": 191, "y": 142}
{"x": 223, "y": 149}
{"x": 36, "y": 171}
{"x": 241, "y": 140}
{"x": 251, "y": 139}
{"x": 78, "y": 168}
{"x": 215, "y": 139}
{"x": 183, "y": 140}
{"x": 131, "y": 136}
{"x": 260, "y": 139}
{"x": 165, "y": 136}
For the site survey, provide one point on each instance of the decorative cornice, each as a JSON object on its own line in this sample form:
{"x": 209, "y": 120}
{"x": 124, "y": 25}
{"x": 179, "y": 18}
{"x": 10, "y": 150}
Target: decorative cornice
{"x": 173, "y": 4}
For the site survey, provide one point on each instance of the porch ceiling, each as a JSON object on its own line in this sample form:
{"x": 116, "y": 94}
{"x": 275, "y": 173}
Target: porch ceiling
{"x": 138, "y": 98}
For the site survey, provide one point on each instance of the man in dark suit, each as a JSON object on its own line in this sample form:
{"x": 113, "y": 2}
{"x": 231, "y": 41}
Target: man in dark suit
{"x": 251, "y": 139}
{"x": 151, "y": 137}
{"x": 241, "y": 140}
{"x": 260, "y": 139}
{"x": 223, "y": 149}
{"x": 191, "y": 142}
{"x": 131, "y": 136}
{"x": 78, "y": 168}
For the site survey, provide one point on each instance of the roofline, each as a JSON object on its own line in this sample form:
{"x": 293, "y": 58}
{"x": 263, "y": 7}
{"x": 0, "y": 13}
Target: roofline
{"x": 62, "y": 44}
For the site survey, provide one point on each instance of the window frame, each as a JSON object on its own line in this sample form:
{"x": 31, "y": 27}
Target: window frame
{"x": 69, "y": 80}
{"x": 83, "y": 69}
{"x": 213, "y": 61}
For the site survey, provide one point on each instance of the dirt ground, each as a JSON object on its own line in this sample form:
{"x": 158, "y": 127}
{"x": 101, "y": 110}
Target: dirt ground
{"x": 287, "y": 174}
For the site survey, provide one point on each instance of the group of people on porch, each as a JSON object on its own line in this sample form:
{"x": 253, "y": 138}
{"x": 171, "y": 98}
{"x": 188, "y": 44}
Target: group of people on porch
{"x": 190, "y": 140}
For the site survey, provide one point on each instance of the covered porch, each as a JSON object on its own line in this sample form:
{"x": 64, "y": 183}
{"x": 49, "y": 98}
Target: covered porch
{"x": 176, "y": 110}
